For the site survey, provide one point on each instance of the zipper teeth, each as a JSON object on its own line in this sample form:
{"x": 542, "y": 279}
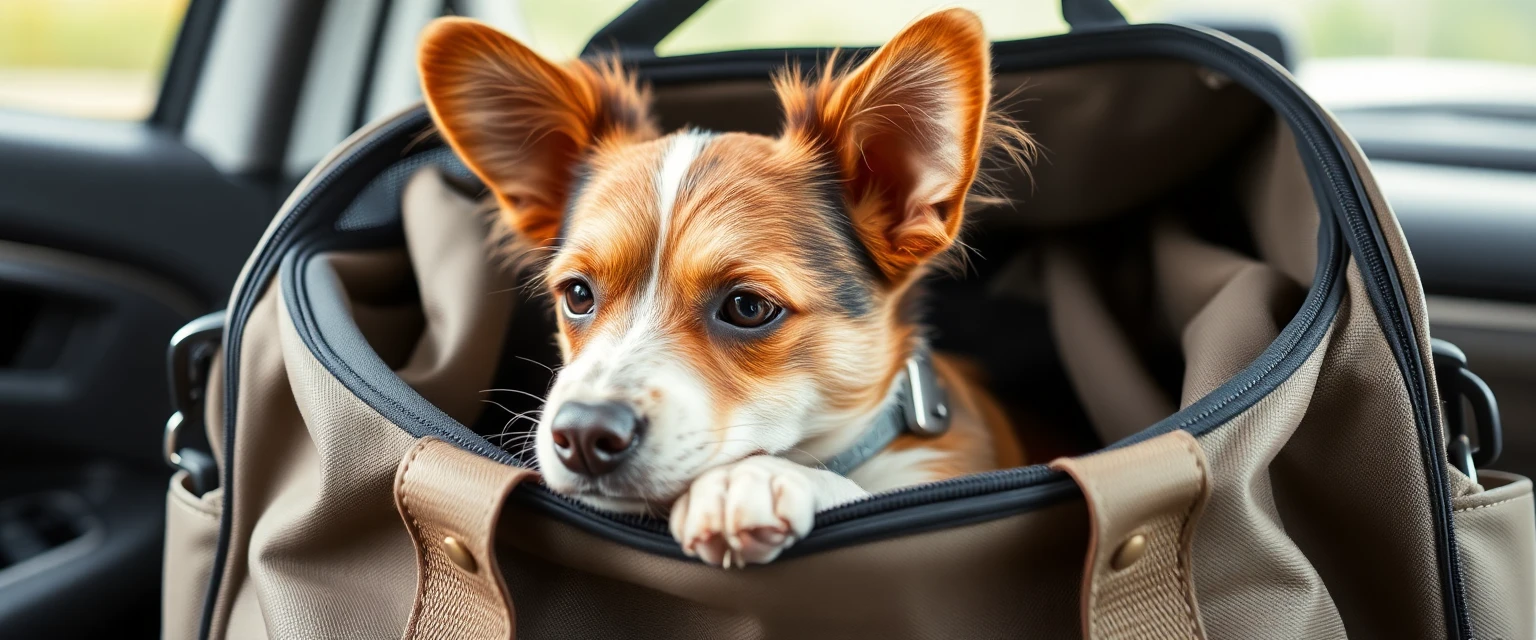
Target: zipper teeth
{"x": 646, "y": 523}
{"x": 989, "y": 482}
{"x": 1377, "y": 264}
{"x": 975, "y": 484}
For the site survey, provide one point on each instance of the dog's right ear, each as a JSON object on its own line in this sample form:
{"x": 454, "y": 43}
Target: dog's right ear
{"x": 520, "y": 122}
{"x": 906, "y": 128}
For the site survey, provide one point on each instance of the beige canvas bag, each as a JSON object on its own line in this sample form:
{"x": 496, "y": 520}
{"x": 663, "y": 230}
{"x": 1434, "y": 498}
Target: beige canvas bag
{"x": 1224, "y": 293}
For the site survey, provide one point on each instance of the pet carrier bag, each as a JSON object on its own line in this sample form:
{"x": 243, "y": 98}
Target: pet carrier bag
{"x": 1202, "y": 278}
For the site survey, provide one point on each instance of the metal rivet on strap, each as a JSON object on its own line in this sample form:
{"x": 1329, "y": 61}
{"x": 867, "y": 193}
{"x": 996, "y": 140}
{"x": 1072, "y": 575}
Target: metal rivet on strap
{"x": 459, "y": 554}
{"x": 1129, "y": 552}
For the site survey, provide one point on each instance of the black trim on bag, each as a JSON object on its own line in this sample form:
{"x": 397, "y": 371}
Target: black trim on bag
{"x": 1340, "y": 196}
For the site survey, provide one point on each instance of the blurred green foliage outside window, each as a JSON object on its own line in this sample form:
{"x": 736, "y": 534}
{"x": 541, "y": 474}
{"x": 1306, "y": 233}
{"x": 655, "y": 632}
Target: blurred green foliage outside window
{"x": 93, "y": 58}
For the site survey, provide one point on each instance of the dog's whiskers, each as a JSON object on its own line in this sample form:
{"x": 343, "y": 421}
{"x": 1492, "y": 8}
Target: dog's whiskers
{"x": 510, "y": 438}
{"x": 551, "y": 370}
{"x": 517, "y": 391}
{"x": 502, "y": 406}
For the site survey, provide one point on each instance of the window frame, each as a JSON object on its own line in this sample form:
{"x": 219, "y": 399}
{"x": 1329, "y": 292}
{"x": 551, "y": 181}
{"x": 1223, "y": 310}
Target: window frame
{"x": 183, "y": 69}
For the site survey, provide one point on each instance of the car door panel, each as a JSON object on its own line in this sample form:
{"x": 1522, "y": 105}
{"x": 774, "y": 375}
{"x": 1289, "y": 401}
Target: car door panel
{"x": 84, "y": 346}
{"x": 130, "y": 192}
{"x": 1472, "y": 231}
{"x": 1499, "y": 339}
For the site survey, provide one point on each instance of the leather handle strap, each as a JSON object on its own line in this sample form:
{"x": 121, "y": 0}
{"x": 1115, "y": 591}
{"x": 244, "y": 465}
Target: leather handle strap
{"x": 1143, "y": 501}
{"x": 451, "y": 500}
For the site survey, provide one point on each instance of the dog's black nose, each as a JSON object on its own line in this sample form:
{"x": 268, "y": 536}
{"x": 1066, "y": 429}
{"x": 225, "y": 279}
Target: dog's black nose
{"x": 593, "y": 438}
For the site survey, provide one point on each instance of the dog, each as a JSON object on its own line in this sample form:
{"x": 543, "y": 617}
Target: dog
{"x": 737, "y": 312}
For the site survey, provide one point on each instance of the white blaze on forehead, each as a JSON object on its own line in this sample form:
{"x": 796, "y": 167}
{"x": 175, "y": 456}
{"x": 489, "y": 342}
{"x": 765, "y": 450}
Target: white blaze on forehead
{"x": 635, "y": 355}
{"x": 675, "y": 162}
{"x": 638, "y": 343}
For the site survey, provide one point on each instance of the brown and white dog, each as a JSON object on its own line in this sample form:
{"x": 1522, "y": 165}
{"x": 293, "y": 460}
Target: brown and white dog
{"x": 734, "y": 308}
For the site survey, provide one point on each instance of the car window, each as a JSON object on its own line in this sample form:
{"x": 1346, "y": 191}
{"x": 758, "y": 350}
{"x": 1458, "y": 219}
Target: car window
{"x": 784, "y": 23}
{"x": 560, "y": 28}
{"x": 1492, "y": 30}
{"x": 91, "y": 58}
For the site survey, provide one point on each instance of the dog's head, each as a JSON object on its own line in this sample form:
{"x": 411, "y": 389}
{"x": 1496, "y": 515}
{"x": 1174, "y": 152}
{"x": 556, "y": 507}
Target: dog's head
{"x": 719, "y": 295}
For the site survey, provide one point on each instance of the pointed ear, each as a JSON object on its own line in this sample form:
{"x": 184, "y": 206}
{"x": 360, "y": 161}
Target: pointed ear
{"x": 906, "y": 128}
{"x": 520, "y": 122}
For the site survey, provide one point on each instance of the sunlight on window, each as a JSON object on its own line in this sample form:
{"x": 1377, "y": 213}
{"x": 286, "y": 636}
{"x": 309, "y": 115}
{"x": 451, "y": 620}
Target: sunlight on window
{"x": 91, "y": 58}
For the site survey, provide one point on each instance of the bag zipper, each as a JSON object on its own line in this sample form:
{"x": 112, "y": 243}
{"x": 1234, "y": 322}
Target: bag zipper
{"x": 1034, "y": 486}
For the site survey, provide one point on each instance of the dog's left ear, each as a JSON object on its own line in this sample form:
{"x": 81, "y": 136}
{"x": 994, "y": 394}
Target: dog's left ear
{"x": 522, "y": 123}
{"x": 907, "y": 128}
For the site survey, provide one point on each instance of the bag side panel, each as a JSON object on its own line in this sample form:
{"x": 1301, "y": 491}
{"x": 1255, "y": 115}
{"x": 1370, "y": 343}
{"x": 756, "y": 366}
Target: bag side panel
{"x": 997, "y": 579}
{"x": 265, "y": 403}
{"x": 1252, "y": 579}
{"x": 318, "y": 549}
{"x": 1351, "y": 486}
{"x": 1496, "y": 530}
{"x": 191, "y": 540}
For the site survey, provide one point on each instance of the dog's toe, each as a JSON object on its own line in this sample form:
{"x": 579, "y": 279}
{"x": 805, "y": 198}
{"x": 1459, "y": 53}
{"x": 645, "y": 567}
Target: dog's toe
{"x": 698, "y": 518}
{"x": 757, "y": 546}
{"x": 712, "y": 550}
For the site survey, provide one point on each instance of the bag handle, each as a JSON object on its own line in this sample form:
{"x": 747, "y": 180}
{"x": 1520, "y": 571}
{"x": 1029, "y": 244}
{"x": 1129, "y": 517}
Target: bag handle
{"x": 645, "y": 23}
{"x": 1143, "y": 503}
{"x": 451, "y": 500}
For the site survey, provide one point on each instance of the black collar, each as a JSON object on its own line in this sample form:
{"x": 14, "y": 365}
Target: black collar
{"x": 919, "y": 406}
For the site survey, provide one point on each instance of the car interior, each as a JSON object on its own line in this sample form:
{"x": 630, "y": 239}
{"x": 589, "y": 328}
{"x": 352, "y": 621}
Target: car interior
{"x": 114, "y": 234}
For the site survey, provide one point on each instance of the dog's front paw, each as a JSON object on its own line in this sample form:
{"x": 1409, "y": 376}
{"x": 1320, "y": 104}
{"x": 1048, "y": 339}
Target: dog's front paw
{"x": 754, "y": 509}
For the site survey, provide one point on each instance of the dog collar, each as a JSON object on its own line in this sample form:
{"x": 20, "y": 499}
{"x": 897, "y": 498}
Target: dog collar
{"x": 920, "y": 407}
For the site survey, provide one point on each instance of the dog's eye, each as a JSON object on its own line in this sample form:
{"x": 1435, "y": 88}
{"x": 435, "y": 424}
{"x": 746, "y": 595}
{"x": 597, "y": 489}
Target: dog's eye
{"x": 578, "y": 298}
{"x": 748, "y": 310}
